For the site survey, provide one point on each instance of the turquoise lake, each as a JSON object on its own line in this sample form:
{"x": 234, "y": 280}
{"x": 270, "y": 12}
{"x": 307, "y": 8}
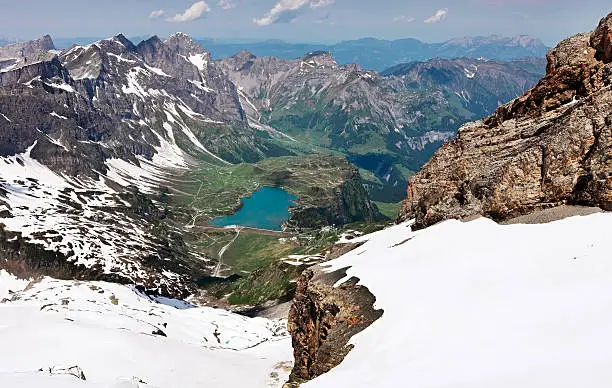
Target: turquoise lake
{"x": 267, "y": 208}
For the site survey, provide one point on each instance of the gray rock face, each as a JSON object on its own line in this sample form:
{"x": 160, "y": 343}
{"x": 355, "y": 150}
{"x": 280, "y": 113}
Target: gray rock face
{"x": 27, "y": 49}
{"x": 19, "y": 54}
{"x": 550, "y": 147}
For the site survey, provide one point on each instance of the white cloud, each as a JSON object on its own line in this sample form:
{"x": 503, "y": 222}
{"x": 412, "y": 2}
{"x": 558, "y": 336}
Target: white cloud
{"x": 226, "y": 5}
{"x": 287, "y": 10}
{"x": 196, "y": 11}
{"x": 157, "y": 14}
{"x": 403, "y": 19}
{"x": 438, "y": 17}
{"x": 321, "y": 3}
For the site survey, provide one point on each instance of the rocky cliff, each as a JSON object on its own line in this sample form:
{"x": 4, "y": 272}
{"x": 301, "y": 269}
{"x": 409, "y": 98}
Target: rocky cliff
{"x": 322, "y": 320}
{"x": 551, "y": 146}
{"x": 342, "y": 203}
{"x": 19, "y": 54}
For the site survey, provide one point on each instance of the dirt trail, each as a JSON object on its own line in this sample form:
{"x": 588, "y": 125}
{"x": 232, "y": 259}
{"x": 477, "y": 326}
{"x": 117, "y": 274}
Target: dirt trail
{"x": 222, "y": 251}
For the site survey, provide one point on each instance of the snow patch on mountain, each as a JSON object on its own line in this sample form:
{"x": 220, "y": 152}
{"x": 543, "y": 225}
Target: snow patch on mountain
{"x": 199, "y": 60}
{"x": 10, "y": 284}
{"x": 83, "y": 219}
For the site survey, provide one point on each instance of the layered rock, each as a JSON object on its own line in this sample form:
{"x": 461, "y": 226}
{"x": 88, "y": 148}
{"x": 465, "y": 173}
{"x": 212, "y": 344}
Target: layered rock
{"x": 551, "y": 146}
{"x": 16, "y": 55}
{"x": 322, "y": 320}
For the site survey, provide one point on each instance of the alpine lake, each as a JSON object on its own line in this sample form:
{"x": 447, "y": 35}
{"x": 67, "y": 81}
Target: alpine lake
{"x": 267, "y": 208}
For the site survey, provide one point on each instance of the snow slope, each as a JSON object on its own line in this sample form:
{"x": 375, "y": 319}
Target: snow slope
{"x": 482, "y": 305}
{"x": 114, "y": 334}
{"x": 79, "y": 217}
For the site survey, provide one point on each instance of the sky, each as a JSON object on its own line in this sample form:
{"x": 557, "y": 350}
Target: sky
{"x": 325, "y": 21}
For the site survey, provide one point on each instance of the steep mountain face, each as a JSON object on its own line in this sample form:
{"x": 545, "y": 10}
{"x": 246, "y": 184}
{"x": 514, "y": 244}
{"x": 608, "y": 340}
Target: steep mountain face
{"x": 548, "y": 147}
{"x": 84, "y": 134}
{"x": 388, "y": 125}
{"x": 483, "y": 84}
{"x": 378, "y": 54}
{"x": 102, "y": 147}
{"x": 18, "y": 54}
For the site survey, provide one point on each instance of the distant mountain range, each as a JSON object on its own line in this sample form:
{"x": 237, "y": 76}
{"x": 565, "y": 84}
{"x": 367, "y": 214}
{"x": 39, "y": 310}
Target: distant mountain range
{"x": 370, "y": 53}
{"x": 379, "y": 55}
{"x": 388, "y": 125}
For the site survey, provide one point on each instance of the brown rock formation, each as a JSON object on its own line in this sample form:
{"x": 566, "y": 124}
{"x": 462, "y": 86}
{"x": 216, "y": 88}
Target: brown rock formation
{"x": 322, "y": 320}
{"x": 549, "y": 147}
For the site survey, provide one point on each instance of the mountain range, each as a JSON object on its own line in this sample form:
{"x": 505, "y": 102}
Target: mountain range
{"x": 114, "y": 157}
{"x": 380, "y": 54}
{"x": 117, "y": 136}
{"x": 370, "y": 53}
{"x": 389, "y": 124}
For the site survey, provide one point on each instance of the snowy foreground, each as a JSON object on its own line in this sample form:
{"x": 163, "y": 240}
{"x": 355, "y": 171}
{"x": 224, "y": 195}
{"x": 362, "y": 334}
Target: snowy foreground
{"x": 466, "y": 305}
{"x": 107, "y": 330}
{"x": 480, "y": 305}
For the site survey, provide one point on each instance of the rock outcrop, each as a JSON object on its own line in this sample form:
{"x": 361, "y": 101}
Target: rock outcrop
{"x": 322, "y": 320}
{"x": 551, "y": 146}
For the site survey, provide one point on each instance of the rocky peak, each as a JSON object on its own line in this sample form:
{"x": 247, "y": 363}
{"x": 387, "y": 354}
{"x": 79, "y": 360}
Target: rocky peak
{"x": 321, "y": 58}
{"x": 148, "y": 45}
{"x": 244, "y": 56}
{"x": 21, "y": 54}
{"x": 549, "y": 147}
{"x": 27, "y": 49}
{"x": 117, "y": 45}
{"x": 150, "y": 48}
{"x": 43, "y": 43}
{"x": 244, "y": 60}
{"x": 601, "y": 40}
{"x": 183, "y": 44}
{"x": 124, "y": 41}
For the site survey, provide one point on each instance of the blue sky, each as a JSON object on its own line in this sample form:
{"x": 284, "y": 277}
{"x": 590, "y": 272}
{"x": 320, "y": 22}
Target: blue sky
{"x": 302, "y": 20}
